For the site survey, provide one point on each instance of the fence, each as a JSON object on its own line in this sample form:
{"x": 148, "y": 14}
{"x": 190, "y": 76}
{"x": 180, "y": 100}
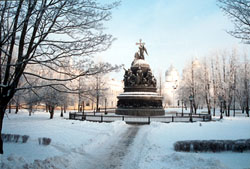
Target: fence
{"x": 142, "y": 119}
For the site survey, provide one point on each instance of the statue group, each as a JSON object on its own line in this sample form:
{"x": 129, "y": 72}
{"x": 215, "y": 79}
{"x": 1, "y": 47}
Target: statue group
{"x": 139, "y": 78}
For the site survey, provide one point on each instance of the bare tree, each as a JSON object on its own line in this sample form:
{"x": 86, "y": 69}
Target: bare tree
{"x": 31, "y": 98}
{"x": 225, "y": 84}
{"x": 246, "y": 82}
{"x": 239, "y": 12}
{"x": 231, "y": 81}
{"x": 52, "y": 98}
{"x": 191, "y": 85}
{"x": 214, "y": 84}
{"x": 64, "y": 102}
{"x": 57, "y": 34}
{"x": 206, "y": 83}
{"x": 196, "y": 84}
{"x": 223, "y": 71}
{"x": 17, "y": 98}
{"x": 97, "y": 90}
{"x": 160, "y": 84}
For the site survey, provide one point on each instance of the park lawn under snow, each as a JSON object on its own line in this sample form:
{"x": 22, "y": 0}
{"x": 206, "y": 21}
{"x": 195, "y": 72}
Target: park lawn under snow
{"x": 70, "y": 139}
{"x": 82, "y": 144}
{"x": 159, "y": 138}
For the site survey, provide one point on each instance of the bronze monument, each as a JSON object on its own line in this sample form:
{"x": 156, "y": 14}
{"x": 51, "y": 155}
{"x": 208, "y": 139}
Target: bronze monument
{"x": 139, "y": 97}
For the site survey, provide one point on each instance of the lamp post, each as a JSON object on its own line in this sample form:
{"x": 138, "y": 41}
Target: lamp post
{"x": 182, "y": 107}
{"x": 191, "y": 98}
{"x": 83, "y": 107}
{"x": 221, "y": 103}
{"x": 105, "y": 106}
{"x": 174, "y": 88}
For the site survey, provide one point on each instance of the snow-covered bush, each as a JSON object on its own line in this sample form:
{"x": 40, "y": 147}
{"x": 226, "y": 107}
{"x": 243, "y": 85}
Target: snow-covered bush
{"x": 44, "y": 141}
{"x": 15, "y": 138}
{"x": 212, "y": 145}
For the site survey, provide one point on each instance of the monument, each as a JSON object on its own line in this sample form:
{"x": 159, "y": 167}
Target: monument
{"x": 139, "y": 97}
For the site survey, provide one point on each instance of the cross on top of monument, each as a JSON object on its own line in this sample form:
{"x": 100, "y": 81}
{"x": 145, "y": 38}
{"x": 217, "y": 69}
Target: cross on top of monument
{"x": 140, "y": 43}
{"x": 142, "y": 49}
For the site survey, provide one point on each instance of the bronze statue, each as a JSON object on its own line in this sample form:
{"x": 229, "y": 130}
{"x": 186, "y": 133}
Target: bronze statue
{"x": 142, "y": 49}
{"x": 139, "y": 97}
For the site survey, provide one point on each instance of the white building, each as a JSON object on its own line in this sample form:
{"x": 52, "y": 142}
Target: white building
{"x": 114, "y": 88}
{"x": 171, "y": 84}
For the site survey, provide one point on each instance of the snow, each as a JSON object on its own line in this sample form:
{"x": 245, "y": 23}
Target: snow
{"x": 82, "y": 144}
{"x": 160, "y": 137}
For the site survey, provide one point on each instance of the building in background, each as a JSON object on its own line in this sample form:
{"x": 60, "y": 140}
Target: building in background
{"x": 112, "y": 90}
{"x": 171, "y": 84}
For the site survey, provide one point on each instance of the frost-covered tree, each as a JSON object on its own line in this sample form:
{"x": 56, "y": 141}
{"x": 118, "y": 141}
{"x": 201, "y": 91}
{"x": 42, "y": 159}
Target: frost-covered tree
{"x": 231, "y": 79}
{"x": 97, "y": 89}
{"x": 31, "y": 98}
{"x": 217, "y": 80}
{"x": 243, "y": 85}
{"x": 205, "y": 80}
{"x": 214, "y": 81}
{"x": 190, "y": 84}
{"x": 224, "y": 78}
{"x": 52, "y": 97}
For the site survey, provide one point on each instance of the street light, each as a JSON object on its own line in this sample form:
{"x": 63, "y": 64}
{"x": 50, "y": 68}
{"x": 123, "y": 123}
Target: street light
{"x": 191, "y": 98}
{"x": 175, "y": 85}
{"x": 182, "y": 107}
{"x": 221, "y": 102}
{"x": 105, "y": 106}
{"x": 83, "y": 107}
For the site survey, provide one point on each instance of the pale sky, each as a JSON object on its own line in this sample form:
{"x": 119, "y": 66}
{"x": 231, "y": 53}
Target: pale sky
{"x": 175, "y": 31}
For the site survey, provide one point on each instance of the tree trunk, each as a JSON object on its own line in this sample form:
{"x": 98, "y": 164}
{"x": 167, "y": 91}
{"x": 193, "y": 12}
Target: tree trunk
{"x": 30, "y": 110}
{"x": 247, "y": 110}
{"x": 242, "y": 109}
{"x": 51, "y": 115}
{"x": 51, "y": 111}
{"x": 225, "y": 107}
{"x": 208, "y": 104}
{"x": 1, "y": 124}
{"x": 209, "y": 110}
{"x": 17, "y": 108}
{"x": 2, "y": 111}
{"x": 195, "y": 108}
{"x": 64, "y": 108}
{"x": 61, "y": 111}
{"x": 9, "y": 107}
{"x": 228, "y": 110}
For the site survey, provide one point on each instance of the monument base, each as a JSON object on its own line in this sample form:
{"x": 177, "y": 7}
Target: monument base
{"x": 140, "y": 112}
{"x": 140, "y": 104}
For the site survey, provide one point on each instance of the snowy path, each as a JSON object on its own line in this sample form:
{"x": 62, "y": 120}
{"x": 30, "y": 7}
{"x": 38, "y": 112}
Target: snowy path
{"x": 112, "y": 155}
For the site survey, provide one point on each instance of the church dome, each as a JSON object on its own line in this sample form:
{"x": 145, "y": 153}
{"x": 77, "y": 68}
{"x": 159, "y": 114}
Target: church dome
{"x": 196, "y": 63}
{"x": 171, "y": 74}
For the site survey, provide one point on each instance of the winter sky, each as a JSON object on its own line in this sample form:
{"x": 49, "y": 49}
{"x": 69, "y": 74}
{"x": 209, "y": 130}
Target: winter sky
{"x": 175, "y": 31}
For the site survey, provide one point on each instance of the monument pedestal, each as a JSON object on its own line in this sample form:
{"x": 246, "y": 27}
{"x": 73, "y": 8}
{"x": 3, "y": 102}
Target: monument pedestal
{"x": 140, "y": 104}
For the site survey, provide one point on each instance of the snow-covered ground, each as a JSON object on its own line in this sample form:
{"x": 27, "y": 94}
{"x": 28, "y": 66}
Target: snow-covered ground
{"x": 82, "y": 144}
